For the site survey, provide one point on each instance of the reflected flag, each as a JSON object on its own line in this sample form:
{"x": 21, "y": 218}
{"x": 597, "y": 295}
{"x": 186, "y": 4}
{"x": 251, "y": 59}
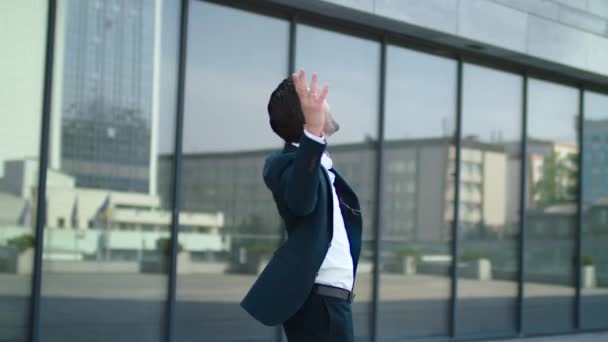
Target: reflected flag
{"x": 74, "y": 216}
{"x": 24, "y": 216}
{"x": 104, "y": 211}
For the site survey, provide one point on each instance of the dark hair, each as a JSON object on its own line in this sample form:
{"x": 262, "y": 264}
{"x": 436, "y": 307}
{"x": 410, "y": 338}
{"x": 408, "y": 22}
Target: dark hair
{"x": 285, "y": 112}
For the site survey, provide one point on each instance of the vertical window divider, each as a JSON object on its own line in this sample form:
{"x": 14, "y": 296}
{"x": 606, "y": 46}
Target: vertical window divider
{"x": 291, "y": 64}
{"x": 579, "y": 211}
{"x": 521, "y": 241}
{"x": 34, "y": 331}
{"x": 378, "y": 194}
{"x": 177, "y": 168}
{"x": 455, "y": 223}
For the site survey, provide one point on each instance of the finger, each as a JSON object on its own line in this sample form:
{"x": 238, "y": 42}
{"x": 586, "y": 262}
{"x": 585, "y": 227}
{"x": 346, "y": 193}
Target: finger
{"x": 314, "y": 87}
{"x": 296, "y": 83}
{"x": 302, "y": 79}
{"x": 324, "y": 93}
{"x": 299, "y": 83}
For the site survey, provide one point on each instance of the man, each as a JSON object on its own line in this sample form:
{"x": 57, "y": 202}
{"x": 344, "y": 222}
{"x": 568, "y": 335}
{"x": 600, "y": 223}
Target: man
{"x": 308, "y": 284}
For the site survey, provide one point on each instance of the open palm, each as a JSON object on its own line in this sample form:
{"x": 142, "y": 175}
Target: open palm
{"x": 311, "y": 100}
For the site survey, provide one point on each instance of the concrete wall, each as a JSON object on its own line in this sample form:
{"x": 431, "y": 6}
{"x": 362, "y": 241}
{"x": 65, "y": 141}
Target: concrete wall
{"x": 569, "y": 32}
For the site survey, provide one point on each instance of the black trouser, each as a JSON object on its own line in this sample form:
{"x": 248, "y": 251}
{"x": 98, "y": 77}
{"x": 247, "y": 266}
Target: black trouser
{"x": 321, "y": 318}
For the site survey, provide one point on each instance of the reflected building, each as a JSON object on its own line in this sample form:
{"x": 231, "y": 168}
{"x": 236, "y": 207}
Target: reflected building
{"x": 77, "y": 218}
{"x": 233, "y": 184}
{"x": 430, "y": 164}
{"x": 105, "y": 105}
{"x": 230, "y": 182}
{"x": 595, "y": 160}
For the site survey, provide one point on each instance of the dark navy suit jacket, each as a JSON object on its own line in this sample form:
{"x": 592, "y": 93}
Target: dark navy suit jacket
{"x": 301, "y": 190}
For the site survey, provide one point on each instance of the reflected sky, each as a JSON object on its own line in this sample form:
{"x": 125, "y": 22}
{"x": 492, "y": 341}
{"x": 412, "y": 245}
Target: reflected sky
{"x": 552, "y": 111}
{"x": 420, "y": 95}
{"x": 350, "y": 66}
{"x": 491, "y": 104}
{"x": 228, "y": 84}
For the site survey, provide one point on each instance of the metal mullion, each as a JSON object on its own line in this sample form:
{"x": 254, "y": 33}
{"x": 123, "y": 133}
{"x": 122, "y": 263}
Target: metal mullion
{"x": 522, "y": 208}
{"x": 291, "y": 58}
{"x": 455, "y": 223}
{"x": 177, "y": 170}
{"x": 291, "y": 62}
{"x": 47, "y": 92}
{"x": 378, "y": 195}
{"x": 579, "y": 211}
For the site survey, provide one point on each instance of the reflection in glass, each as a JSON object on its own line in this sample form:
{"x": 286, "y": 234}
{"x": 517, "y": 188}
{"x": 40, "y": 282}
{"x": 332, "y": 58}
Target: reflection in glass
{"x": 417, "y": 214}
{"x": 354, "y": 104}
{"x": 107, "y": 230}
{"x": 489, "y": 201}
{"x": 229, "y": 226}
{"x": 594, "y": 279}
{"x": 22, "y": 37}
{"x": 551, "y": 195}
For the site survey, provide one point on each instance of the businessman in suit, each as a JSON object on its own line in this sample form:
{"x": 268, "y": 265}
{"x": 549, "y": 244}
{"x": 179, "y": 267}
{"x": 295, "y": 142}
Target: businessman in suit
{"x": 308, "y": 284}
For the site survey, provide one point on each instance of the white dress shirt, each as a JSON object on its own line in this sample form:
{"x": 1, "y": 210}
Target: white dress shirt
{"x": 337, "y": 267}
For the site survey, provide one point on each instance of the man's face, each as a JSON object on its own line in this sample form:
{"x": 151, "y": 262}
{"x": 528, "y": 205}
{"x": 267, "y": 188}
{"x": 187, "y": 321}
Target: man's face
{"x": 331, "y": 125}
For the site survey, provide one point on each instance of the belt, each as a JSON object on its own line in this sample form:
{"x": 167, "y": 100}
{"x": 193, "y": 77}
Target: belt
{"x": 331, "y": 291}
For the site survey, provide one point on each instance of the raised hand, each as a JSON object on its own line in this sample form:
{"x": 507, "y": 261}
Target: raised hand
{"x": 312, "y": 101}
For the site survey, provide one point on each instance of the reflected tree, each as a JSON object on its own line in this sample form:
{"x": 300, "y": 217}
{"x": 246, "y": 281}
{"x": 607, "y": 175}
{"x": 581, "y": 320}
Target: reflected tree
{"x": 558, "y": 181}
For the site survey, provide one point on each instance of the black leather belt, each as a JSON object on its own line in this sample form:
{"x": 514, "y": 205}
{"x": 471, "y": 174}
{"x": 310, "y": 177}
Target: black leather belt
{"x": 331, "y": 291}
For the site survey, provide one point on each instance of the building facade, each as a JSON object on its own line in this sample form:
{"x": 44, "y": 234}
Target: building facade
{"x": 134, "y": 135}
{"x": 105, "y": 98}
{"x": 595, "y": 157}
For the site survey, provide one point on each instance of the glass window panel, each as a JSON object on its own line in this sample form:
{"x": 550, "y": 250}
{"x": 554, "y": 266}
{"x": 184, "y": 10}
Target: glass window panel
{"x": 417, "y": 210}
{"x": 594, "y": 280}
{"x": 354, "y": 104}
{"x": 551, "y": 194}
{"x": 112, "y": 125}
{"x": 23, "y": 41}
{"x": 489, "y": 201}
{"x": 235, "y": 60}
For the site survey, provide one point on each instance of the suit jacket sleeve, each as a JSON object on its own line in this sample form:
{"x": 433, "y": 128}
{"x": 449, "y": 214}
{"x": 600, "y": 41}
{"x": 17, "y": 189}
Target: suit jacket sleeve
{"x": 299, "y": 183}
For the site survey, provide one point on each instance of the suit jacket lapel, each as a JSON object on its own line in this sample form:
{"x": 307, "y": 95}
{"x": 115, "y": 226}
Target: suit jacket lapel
{"x": 342, "y": 181}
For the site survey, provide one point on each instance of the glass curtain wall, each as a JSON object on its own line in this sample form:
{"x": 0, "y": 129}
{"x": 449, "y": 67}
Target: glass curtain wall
{"x": 551, "y": 207}
{"x": 420, "y": 121}
{"x": 23, "y": 32}
{"x": 594, "y": 277}
{"x": 107, "y": 227}
{"x": 489, "y": 201}
{"x": 229, "y": 224}
{"x": 350, "y": 66}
